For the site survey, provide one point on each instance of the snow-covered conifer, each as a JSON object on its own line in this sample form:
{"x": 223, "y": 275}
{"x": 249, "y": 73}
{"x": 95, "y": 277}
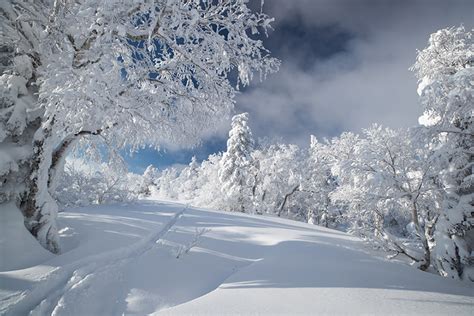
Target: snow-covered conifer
{"x": 234, "y": 172}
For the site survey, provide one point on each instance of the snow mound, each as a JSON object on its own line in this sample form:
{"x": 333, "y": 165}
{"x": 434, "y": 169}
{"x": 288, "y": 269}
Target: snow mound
{"x": 163, "y": 258}
{"x": 18, "y": 248}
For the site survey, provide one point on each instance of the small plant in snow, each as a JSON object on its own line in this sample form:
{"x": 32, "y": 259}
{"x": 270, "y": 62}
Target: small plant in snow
{"x": 184, "y": 249}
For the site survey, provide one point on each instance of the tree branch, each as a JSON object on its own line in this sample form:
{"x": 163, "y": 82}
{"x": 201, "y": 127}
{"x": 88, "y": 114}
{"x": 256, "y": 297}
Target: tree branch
{"x": 59, "y": 153}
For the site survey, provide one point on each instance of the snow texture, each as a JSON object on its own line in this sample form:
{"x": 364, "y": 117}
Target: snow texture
{"x": 120, "y": 260}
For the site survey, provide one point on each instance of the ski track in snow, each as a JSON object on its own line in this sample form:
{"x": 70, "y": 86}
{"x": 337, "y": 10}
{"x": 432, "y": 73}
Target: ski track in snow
{"x": 64, "y": 281}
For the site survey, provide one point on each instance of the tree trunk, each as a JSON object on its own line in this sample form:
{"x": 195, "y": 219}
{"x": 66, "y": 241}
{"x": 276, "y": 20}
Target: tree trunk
{"x": 378, "y": 224}
{"x": 285, "y": 199}
{"x": 38, "y": 207}
{"x": 426, "y": 261}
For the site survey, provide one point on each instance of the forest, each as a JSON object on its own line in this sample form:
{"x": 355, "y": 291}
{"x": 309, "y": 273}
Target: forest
{"x": 84, "y": 83}
{"x": 407, "y": 191}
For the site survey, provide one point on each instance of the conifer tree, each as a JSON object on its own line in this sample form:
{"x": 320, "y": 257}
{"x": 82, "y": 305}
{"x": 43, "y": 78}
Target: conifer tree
{"x": 234, "y": 172}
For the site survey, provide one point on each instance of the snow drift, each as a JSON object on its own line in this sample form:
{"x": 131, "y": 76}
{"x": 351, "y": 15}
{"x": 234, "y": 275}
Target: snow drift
{"x": 154, "y": 257}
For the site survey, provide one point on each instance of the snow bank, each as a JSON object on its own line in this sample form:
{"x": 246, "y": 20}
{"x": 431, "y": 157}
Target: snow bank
{"x": 18, "y": 248}
{"x": 123, "y": 260}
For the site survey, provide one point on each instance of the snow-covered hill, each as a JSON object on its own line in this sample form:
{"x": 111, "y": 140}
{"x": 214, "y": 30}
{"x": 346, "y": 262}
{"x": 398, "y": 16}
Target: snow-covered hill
{"x": 123, "y": 260}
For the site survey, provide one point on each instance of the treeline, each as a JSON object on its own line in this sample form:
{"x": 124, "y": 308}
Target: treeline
{"x": 380, "y": 185}
{"x": 408, "y": 191}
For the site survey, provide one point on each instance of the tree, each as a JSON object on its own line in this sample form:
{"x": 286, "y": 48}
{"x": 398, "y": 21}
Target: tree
{"x": 208, "y": 191}
{"x": 341, "y": 149}
{"x": 319, "y": 181}
{"x": 278, "y": 177}
{"x": 88, "y": 182}
{"x": 132, "y": 73}
{"x": 189, "y": 176}
{"x": 234, "y": 171}
{"x": 147, "y": 182}
{"x": 166, "y": 183}
{"x": 445, "y": 70}
{"x": 388, "y": 184}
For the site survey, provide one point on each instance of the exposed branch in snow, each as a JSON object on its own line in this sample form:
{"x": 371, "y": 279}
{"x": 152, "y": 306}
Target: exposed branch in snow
{"x": 197, "y": 237}
{"x": 286, "y": 197}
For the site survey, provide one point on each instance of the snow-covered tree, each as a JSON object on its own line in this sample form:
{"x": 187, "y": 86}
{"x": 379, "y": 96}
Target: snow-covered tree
{"x": 208, "y": 190}
{"x": 150, "y": 175}
{"x": 278, "y": 178}
{"x": 234, "y": 172}
{"x": 189, "y": 176}
{"x": 342, "y": 150}
{"x": 86, "y": 183}
{"x": 388, "y": 184}
{"x": 319, "y": 182}
{"x": 197, "y": 184}
{"x": 166, "y": 184}
{"x": 445, "y": 70}
{"x": 78, "y": 184}
{"x": 135, "y": 73}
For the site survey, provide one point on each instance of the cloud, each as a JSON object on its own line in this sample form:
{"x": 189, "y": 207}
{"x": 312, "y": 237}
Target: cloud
{"x": 345, "y": 64}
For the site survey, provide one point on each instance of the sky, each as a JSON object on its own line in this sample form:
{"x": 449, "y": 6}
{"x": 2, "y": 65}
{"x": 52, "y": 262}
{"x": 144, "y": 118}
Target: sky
{"x": 345, "y": 66}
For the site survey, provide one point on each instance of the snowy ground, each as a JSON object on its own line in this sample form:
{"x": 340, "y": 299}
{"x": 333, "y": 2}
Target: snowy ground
{"x": 122, "y": 260}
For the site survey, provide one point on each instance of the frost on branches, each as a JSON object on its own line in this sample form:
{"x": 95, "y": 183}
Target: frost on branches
{"x": 130, "y": 72}
{"x": 387, "y": 183}
{"x": 320, "y": 182}
{"x": 146, "y": 183}
{"x": 88, "y": 182}
{"x": 445, "y": 70}
{"x": 278, "y": 179}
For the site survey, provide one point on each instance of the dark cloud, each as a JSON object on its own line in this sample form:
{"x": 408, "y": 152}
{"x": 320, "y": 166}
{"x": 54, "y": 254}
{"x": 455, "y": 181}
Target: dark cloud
{"x": 306, "y": 44}
{"x": 345, "y": 64}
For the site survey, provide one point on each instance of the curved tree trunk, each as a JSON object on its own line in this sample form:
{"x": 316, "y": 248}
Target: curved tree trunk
{"x": 37, "y": 205}
{"x": 285, "y": 199}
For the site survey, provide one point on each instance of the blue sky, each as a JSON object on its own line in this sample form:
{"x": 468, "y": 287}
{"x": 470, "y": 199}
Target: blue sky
{"x": 344, "y": 66}
{"x": 164, "y": 158}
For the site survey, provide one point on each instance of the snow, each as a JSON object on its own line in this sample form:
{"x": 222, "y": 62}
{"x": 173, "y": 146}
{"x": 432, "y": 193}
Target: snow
{"x": 18, "y": 248}
{"x": 10, "y": 155}
{"x": 121, "y": 259}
